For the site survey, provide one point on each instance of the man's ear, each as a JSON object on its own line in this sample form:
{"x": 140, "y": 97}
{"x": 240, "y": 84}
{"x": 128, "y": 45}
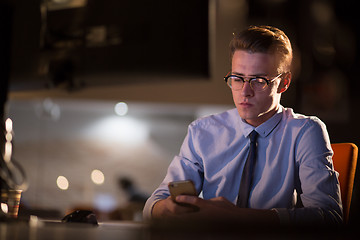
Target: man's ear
{"x": 285, "y": 82}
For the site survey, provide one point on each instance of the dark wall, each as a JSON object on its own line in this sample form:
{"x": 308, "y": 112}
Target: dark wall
{"x": 54, "y": 47}
{"x": 5, "y": 41}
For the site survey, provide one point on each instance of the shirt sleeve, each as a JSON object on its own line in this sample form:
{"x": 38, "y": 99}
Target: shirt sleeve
{"x": 186, "y": 166}
{"x": 317, "y": 181}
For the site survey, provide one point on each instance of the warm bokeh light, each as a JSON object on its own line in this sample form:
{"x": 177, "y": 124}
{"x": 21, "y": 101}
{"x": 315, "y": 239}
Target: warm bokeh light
{"x": 8, "y": 125}
{"x": 4, "y": 208}
{"x": 8, "y": 137}
{"x": 62, "y": 183}
{"x": 97, "y": 177}
{"x": 8, "y": 152}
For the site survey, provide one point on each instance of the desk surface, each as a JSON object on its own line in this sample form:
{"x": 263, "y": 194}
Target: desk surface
{"x": 55, "y": 230}
{"x": 62, "y": 231}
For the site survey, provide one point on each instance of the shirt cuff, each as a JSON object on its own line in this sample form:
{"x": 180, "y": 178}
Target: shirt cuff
{"x": 147, "y": 213}
{"x": 283, "y": 215}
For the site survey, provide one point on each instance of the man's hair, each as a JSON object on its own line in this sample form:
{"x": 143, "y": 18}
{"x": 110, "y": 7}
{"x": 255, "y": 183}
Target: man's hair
{"x": 264, "y": 39}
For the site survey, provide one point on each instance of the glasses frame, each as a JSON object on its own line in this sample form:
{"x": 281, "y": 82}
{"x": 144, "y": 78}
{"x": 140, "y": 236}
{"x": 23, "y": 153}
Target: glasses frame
{"x": 249, "y": 79}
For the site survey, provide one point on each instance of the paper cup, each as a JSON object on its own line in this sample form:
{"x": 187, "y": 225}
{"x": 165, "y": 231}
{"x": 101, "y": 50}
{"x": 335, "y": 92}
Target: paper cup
{"x": 12, "y": 199}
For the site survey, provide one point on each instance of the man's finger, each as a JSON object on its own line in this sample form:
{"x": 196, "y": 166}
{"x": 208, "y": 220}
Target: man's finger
{"x": 187, "y": 199}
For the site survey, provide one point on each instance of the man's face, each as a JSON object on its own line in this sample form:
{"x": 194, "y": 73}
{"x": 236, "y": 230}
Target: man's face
{"x": 256, "y": 107}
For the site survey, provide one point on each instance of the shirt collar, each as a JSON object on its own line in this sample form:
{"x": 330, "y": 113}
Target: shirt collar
{"x": 264, "y": 129}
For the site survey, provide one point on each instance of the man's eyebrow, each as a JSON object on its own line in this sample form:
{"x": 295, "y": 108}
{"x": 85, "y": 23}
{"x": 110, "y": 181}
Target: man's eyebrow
{"x": 252, "y": 75}
{"x": 236, "y": 73}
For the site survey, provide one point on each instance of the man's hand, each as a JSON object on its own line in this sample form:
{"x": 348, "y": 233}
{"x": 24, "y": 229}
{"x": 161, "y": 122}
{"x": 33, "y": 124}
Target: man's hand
{"x": 168, "y": 208}
{"x": 220, "y": 208}
{"x": 200, "y": 207}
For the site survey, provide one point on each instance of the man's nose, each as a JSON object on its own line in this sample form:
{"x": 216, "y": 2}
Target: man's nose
{"x": 246, "y": 90}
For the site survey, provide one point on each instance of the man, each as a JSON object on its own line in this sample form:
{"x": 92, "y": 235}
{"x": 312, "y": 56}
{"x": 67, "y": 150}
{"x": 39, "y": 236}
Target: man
{"x": 293, "y": 179}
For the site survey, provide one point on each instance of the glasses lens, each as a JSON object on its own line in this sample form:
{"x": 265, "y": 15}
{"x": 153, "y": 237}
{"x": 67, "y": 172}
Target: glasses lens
{"x": 235, "y": 83}
{"x": 258, "y": 84}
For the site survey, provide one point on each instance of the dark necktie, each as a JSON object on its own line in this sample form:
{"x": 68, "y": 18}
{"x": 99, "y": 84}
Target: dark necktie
{"x": 246, "y": 179}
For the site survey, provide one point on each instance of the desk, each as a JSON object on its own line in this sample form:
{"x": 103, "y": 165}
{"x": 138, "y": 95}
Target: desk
{"x": 22, "y": 230}
{"x": 61, "y": 231}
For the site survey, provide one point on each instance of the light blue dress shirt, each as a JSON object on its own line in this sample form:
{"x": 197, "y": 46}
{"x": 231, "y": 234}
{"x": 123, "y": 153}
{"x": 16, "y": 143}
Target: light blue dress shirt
{"x": 294, "y": 158}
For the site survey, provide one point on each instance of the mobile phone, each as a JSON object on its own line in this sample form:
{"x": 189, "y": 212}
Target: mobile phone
{"x": 185, "y": 187}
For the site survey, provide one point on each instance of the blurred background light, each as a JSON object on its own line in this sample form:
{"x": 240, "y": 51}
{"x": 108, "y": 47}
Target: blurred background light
{"x": 126, "y": 130}
{"x": 48, "y": 109}
{"x": 62, "y": 183}
{"x": 8, "y": 125}
{"x": 97, "y": 177}
{"x": 105, "y": 202}
{"x": 4, "y": 208}
{"x": 121, "y": 109}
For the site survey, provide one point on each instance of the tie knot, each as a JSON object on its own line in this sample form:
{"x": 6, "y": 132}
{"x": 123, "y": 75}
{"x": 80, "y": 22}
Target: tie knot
{"x": 253, "y": 136}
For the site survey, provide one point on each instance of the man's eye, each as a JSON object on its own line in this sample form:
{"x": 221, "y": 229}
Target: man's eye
{"x": 259, "y": 81}
{"x": 237, "y": 79}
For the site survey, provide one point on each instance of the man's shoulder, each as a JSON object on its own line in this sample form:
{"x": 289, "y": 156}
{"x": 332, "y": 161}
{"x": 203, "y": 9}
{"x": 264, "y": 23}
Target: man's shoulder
{"x": 293, "y": 118}
{"x": 229, "y": 117}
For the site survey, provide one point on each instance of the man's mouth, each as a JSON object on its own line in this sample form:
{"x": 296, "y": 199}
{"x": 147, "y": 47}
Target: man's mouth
{"x": 245, "y": 104}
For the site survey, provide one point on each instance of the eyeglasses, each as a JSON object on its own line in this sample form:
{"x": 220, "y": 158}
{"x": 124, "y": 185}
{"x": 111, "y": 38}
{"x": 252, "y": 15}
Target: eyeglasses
{"x": 258, "y": 84}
